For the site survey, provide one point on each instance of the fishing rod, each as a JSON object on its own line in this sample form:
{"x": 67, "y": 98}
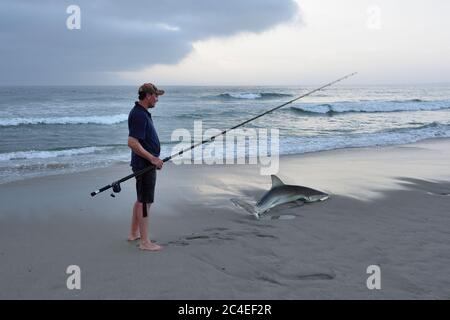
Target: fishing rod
{"x": 116, "y": 184}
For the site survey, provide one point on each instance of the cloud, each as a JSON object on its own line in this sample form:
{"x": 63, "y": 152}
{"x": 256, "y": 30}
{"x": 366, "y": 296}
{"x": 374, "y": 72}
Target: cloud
{"x": 37, "y": 47}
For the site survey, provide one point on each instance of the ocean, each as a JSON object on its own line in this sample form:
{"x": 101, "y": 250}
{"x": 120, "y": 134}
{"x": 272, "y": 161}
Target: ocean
{"x": 48, "y": 130}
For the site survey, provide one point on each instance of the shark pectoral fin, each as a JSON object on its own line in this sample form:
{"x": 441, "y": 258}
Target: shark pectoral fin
{"x": 276, "y": 182}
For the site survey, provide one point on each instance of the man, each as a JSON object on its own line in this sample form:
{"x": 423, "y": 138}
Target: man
{"x": 144, "y": 143}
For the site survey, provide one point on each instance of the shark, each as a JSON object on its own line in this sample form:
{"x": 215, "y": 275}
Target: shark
{"x": 281, "y": 193}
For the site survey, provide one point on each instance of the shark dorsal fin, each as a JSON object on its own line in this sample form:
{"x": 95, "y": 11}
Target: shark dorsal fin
{"x": 276, "y": 182}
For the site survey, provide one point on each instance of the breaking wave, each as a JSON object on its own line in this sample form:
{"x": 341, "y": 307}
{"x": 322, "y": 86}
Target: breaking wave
{"x": 45, "y": 154}
{"x": 104, "y": 120}
{"x": 370, "y": 107}
{"x": 252, "y": 96}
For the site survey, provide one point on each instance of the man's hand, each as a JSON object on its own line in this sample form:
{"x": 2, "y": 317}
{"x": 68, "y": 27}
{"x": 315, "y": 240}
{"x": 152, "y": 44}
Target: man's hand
{"x": 134, "y": 144}
{"x": 157, "y": 162}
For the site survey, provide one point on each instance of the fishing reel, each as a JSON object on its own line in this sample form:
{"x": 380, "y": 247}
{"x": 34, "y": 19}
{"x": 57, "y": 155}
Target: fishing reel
{"x": 116, "y": 188}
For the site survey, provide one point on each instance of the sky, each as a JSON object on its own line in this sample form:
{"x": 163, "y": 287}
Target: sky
{"x": 233, "y": 42}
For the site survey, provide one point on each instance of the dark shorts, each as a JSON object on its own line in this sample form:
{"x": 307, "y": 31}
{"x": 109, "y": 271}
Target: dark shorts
{"x": 145, "y": 186}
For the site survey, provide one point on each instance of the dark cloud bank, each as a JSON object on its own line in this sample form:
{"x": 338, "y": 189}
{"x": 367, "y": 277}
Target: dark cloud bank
{"x": 37, "y": 47}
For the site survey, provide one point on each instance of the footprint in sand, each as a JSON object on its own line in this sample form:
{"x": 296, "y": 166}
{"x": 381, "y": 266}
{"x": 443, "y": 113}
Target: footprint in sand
{"x": 315, "y": 276}
{"x": 261, "y": 235}
{"x": 267, "y": 279}
{"x": 216, "y": 229}
{"x": 196, "y": 237}
{"x": 218, "y": 235}
{"x": 178, "y": 243}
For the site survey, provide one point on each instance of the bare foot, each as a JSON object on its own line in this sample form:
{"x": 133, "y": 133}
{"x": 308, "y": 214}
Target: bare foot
{"x": 149, "y": 246}
{"x": 133, "y": 237}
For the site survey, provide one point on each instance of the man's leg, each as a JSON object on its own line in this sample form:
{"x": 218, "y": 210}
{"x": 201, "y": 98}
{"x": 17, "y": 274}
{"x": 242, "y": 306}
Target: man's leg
{"x": 134, "y": 232}
{"x": 146, "y": 244}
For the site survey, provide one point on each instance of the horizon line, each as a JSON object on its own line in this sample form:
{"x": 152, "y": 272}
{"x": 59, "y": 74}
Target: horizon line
{"x": 223, "y": 85}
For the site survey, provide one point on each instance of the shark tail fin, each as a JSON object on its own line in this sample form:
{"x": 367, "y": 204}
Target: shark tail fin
{"x": 244, "y": 205}
{"x": 276, "y": 182}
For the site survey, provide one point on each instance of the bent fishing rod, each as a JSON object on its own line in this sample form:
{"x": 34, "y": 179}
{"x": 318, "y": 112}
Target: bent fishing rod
{"x": 116, "y": 184}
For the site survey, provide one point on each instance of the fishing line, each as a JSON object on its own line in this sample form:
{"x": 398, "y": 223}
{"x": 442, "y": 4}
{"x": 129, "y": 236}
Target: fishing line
{"x": 116, "y": 184}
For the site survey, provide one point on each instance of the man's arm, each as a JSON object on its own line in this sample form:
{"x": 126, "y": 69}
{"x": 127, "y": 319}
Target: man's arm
{"x": 137, "y": 148}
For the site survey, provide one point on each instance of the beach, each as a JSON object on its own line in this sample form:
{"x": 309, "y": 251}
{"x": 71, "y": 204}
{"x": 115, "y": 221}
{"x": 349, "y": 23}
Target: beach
{"x": 389, "y": 207}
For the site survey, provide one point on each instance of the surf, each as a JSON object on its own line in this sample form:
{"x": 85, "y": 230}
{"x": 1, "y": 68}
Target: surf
{"x": 370, "y": 106}
{"x": 101, "y": 120}
{"x": 251, "y": 95}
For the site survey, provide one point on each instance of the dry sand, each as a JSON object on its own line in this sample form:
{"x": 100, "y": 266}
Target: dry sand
{"x": 389, "y": 207}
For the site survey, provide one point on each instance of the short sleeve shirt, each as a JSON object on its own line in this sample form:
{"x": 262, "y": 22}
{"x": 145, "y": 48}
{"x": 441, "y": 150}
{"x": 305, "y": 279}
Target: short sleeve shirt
{"x": 140, "y": 127}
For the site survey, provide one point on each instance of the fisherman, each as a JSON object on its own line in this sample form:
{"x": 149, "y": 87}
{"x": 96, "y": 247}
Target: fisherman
{"x": 144, "y": 143}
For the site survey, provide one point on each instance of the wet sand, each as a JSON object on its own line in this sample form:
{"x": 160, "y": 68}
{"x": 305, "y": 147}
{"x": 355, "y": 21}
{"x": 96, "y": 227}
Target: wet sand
{"x": 389, "y": 207}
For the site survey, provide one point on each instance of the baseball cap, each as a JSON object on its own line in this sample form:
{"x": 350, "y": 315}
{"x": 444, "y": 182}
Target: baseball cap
{"x": 151, "y": 89}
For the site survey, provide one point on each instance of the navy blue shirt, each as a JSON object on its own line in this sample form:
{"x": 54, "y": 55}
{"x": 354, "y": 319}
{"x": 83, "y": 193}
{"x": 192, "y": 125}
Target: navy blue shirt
{"x": 140, "y": 126}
